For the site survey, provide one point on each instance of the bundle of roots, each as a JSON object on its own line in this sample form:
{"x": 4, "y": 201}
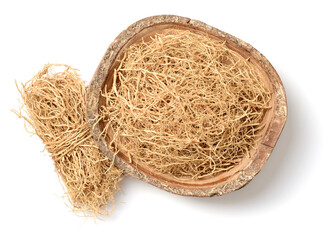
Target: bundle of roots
{"x": 54, "y": 106}
{"x": 184, "y": 104}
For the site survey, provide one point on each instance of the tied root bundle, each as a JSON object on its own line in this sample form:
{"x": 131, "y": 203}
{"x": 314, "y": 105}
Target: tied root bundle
{"x": 55, "y": 105}
{"x": 184, "y": 104}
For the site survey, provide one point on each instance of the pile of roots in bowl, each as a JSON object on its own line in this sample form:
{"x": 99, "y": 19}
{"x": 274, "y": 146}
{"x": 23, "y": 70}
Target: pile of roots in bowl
{"x": 54, "y": 106}
{"x": 184, "y": 104}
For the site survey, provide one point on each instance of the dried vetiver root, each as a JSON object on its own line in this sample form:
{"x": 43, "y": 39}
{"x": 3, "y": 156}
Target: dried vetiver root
{"x": 184, "y": 104}
{"x": 53, "y": 104}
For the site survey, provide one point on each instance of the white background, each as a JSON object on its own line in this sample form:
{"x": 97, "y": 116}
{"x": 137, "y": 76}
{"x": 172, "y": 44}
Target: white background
{"x": 286, "y": 200}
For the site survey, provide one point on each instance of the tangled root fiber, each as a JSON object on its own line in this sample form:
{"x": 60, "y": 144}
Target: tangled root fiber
{"x": 54, "y": 106}
{"x": 184, "y": 104}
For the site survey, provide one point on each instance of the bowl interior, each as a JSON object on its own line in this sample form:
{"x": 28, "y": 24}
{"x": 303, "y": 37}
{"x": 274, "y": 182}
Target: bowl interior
{"x": 146, "y": 34}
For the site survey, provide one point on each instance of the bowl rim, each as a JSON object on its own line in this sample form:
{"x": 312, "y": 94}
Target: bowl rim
{"x": 232, "y": 182}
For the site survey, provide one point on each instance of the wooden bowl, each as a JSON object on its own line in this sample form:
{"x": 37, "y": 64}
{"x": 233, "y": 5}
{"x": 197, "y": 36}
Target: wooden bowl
{"x": 221, "y": 184}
